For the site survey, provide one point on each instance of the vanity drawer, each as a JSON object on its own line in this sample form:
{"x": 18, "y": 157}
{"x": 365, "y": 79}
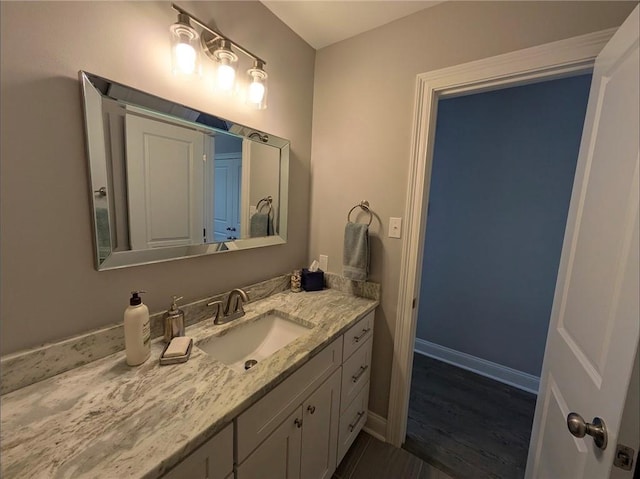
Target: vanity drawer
{"x": 212, "y": 460}
{"x": 355, "y": 374}
{"x": 256, "y": 423}
{"x": 352, "y": 421}
{"x": 357, "y": 335}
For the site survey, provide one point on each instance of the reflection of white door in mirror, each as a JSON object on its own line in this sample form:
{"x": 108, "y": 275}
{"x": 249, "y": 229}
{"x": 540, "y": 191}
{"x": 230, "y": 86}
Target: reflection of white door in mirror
{"x": 226, "y": 219}
{"x": 164, "y": 183}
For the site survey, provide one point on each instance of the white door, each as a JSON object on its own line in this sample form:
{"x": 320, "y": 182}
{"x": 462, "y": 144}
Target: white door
{"x": 165, "y": 176}
{"x": 593, "y": 335}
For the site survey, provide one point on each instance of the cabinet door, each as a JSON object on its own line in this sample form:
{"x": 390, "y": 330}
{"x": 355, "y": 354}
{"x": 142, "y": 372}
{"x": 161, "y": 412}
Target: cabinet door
{"x": 212, "y": 460}
{"x": 279, "y": 455}
{"x": 321, "y": 412}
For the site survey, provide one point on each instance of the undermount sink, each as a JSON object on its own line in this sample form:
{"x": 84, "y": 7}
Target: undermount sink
{"x": 248, "y": 343}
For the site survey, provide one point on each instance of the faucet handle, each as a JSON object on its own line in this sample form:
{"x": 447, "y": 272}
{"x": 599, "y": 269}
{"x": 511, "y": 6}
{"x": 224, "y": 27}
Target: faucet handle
{"x": 218, "y": 306}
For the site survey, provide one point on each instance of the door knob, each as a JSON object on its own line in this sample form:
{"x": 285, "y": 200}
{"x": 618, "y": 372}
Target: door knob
{"x": 579, "y": 428}
{"x": 102, "y": 191}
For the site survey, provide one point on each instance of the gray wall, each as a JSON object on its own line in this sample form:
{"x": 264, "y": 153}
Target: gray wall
{"x": 362, "y": 119}
{"x": 501, "y": 181}
{"x": 49, "y": 288}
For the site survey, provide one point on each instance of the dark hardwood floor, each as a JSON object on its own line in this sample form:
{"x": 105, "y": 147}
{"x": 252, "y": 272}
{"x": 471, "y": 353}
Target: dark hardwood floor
{"x": 369, "y": 458}
{"x": 467, "y": 425}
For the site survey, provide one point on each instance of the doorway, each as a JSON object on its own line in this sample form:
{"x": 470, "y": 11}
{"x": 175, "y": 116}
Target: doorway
{"x": 555, "y": 60}
{"x": 502, "y": 174}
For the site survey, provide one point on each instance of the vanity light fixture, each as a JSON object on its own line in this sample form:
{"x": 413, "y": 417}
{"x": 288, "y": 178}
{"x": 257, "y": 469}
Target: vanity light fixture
{"x": 185, "y": 46}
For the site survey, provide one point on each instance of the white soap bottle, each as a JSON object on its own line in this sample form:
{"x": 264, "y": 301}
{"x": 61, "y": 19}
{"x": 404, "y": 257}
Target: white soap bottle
{"x": 137, "y": 331}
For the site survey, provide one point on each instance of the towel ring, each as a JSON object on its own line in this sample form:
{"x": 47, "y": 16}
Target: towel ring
{"x": 365, "y": 206}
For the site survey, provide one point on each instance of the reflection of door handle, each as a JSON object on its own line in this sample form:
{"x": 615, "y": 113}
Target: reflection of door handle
{"x": 101, "y": 191}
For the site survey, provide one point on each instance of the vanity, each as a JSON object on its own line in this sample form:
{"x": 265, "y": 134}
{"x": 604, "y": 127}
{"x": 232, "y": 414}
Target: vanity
{"x": 294, "y": 414}
{"x": 74, "y": 409}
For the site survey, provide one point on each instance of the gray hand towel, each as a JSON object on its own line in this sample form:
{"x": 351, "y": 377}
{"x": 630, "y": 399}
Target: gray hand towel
{"x": 355, "y": 257}
{"x": 259, "y": 225}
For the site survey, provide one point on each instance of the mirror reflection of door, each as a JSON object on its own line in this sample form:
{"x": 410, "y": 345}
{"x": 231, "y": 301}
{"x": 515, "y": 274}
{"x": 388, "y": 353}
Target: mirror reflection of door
{"x": 223, "y": 194}
{"x": 165, "y": 183}
{"x": 227, "y": 174}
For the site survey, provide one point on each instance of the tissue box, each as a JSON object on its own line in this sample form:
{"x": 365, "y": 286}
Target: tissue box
{"x": 312, "y": 280}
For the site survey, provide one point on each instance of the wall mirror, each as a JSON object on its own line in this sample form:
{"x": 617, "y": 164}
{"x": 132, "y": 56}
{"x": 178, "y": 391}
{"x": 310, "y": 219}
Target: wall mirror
{"x": 168, "y": 181}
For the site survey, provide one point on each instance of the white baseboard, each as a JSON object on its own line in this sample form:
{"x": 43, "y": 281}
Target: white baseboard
{"x": 376, "y": 426}
{"x": 504, "y": 374}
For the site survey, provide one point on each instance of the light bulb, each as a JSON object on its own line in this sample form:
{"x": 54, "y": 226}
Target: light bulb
{"x": 226, "y": 62}
{"x": 226, "y": 77}
{"x": 256, "y": 92}
{"x": 185, "y": 58}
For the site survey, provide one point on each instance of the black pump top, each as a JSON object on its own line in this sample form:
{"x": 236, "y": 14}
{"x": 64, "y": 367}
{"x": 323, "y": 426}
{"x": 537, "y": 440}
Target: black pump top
{"x": 135, "y": 299}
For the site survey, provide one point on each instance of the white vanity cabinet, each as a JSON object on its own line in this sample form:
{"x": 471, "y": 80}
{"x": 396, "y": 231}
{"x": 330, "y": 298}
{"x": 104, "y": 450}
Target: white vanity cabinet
{"x": 304, "y": 427}
{"x": 292, "y": 432}
{"x": 212, "y": 460}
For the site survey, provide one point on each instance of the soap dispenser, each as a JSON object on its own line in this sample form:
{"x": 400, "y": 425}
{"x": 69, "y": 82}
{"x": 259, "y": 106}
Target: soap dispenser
{"x": 137, "y": 331}
{"x": 173, "y": 321}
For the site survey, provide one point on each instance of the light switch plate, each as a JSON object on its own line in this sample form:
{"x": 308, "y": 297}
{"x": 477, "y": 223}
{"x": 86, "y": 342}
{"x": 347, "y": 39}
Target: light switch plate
{"x": 324, "y": 262}
{"x": 395, "y": 227}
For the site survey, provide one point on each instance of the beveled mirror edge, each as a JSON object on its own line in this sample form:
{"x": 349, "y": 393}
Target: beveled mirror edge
{"x": 124, "y": 259}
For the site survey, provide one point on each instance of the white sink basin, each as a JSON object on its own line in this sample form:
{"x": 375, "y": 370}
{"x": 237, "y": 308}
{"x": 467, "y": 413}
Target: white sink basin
{"x": 254, "y": 340}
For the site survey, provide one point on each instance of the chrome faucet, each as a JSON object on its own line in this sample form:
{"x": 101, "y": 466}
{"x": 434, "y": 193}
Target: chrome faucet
{"x": 234, "y": 308}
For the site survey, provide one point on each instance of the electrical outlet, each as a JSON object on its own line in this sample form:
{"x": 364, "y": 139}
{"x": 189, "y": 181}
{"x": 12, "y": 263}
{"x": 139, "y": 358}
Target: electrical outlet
{"x": 395, "y": 227}
{"x": 324, "y": 262}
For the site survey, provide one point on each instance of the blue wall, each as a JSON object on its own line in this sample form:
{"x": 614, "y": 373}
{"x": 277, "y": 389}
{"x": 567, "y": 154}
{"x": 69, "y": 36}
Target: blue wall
{"x": 503, "y": 170}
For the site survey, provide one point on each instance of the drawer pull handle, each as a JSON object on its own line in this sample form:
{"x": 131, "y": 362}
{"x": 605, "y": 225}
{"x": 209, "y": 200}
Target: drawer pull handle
{"x": 357, "y": 339}
{"x": 353, "y": 425}
{"x": 311, "y": 409}
{"x": 298, "y": 423}
{"x": 357, "y": 376}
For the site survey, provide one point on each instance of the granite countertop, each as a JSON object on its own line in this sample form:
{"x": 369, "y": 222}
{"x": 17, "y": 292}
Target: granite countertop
{"x": 108, "y": 420}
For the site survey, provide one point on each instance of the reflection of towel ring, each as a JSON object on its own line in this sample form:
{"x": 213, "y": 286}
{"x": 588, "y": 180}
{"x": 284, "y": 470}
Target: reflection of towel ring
{"x": 263, "y": 138}
{"x": 365, "y": 206}
{"x": 268, "y": 200}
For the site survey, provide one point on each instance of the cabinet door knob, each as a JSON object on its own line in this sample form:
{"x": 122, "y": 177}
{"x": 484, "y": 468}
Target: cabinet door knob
{"x": 298, "y": 423}
{"x": 311, "y": 409}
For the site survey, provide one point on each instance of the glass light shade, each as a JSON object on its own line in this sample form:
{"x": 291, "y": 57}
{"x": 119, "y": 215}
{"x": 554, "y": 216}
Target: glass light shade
{"x": 257, "y": 89}
{"x": 226, "y": 62}
{"x": 185, "y": 58}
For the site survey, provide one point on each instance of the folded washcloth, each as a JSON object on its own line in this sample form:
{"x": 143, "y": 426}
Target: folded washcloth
{"x": 355, "y": 257}
{"x": 259, "y": 225}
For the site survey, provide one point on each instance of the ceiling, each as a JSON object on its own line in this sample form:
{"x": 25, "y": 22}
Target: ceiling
{"x": 321, "y": 23}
